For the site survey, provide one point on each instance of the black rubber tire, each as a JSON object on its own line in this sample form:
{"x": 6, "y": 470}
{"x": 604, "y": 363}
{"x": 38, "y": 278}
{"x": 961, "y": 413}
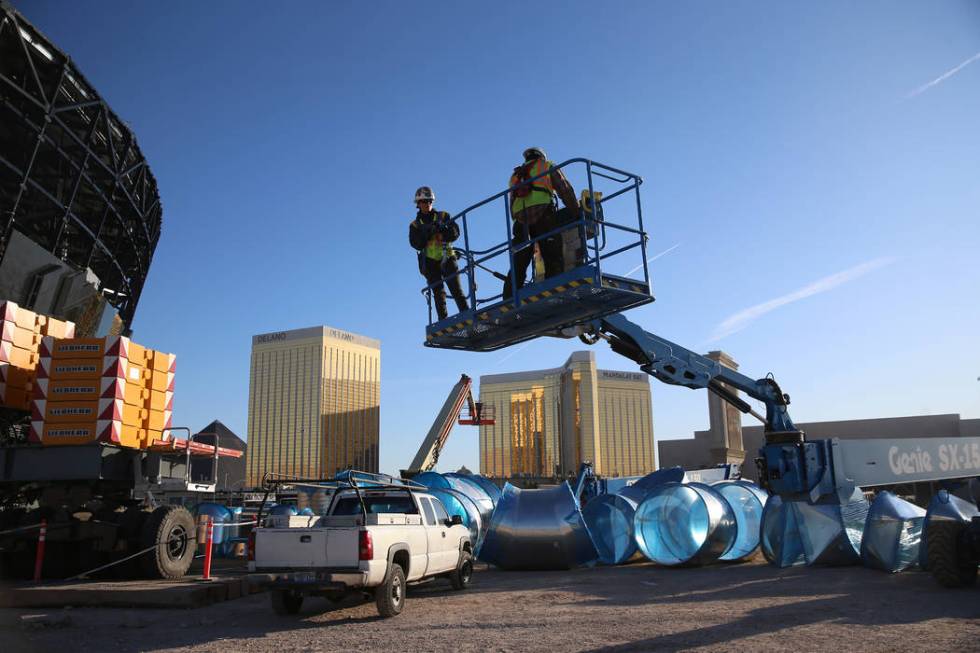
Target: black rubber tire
{"x": 948, "y": 559}
{"x": 461, "y": 576}
{"x": 173, "y": 530}
{"x": 389, "y": 596}
{"x": 285, "y": 602}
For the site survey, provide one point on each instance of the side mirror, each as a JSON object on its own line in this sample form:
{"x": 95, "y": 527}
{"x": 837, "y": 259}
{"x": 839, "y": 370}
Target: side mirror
{"x": 455, "y": 520}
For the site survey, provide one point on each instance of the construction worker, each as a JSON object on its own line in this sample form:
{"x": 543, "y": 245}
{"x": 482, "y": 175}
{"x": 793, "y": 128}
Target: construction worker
{"x": 431, "y": 233}
{"x": 534, "y": 213}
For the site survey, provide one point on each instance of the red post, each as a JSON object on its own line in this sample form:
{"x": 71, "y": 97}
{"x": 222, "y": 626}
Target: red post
{"x": 208, "y": 538}
{"x": 39, "y": 558}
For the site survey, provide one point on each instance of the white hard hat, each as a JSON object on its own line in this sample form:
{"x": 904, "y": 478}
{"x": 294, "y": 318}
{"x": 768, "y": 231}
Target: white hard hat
{"x": 424, "y": 193}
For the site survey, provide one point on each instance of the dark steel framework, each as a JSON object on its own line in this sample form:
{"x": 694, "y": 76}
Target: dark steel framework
{"x": 72, "y": 178}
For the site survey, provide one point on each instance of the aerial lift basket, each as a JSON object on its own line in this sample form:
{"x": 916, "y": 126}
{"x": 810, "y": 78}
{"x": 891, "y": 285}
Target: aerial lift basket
{"x": 585, "y": 290}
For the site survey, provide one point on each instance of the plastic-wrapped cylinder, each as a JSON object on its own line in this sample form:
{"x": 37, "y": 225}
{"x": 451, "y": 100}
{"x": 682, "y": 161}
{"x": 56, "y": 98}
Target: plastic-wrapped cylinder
{"x": 779, "y": 534}
{"x": 827, "y": 533}
{"x": 457, "y": 503}
{"x": 538, "y": 529}
{"x": 642, "y": 486}
{"x": 282, "y": 510}
{"x": 684, "y": 524}
{"x": 944, "y": 507}
{"x": 747, "y": 501}
{"x": 488, "y": 486}
{"x": 892, "y": 533}
{"x": 432, "y": 480}
{"x": 232, "y": 532}
{"x": 474, "y": 491}
{"x": 219, "y": 515}
{"x": 832, "y": 533}
{"x": 609, "y": 518}
{"x": 460, "y": 483}
{"x": 316, "y": 499}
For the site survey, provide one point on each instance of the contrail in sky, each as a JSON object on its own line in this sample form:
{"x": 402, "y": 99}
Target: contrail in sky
{"x": 653, "y": 258}
{"x": 512, "y": 353}
{"x": 744, "y": 318}
{"x": 942, "y": 78}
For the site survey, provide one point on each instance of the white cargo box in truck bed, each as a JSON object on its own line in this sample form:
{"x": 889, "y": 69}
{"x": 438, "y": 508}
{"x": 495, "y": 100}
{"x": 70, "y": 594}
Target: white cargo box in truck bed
{"x": 377, "y": 538}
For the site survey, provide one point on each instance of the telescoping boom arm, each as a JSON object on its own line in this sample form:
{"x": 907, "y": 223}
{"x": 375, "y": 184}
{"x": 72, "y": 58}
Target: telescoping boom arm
{"x": 789, "y": 465}
{"x": 676, "y": 365}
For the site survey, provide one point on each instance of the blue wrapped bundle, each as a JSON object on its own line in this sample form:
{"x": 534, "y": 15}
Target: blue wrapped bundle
{"x": 474, "y": 491}
{"x": 827, "y": 533}
{"x": 433, "y": 480}
{"x": 220, "y": 515}
{"x": 639, "y": 489}
{"x": 609, "y": 518}
{"x": 779, "y": 535}
{"x": 488, "y": 486}
{"x": 892, "y": 533}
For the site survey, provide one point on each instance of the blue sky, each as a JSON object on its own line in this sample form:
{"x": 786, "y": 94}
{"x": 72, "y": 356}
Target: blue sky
{"x": 812, "y": 167}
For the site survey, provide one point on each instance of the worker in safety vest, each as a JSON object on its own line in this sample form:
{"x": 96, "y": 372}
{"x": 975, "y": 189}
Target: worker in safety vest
{"x": 532, "y": 206}
{"x": 431, "y": 233}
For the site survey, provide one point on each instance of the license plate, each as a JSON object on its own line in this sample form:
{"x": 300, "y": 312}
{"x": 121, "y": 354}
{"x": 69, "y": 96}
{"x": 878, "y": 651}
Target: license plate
{"x": 304, "y": 577}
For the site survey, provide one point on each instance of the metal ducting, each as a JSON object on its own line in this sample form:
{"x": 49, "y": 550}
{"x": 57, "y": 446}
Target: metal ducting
{"x": 538, "y": 529}
{"x": 747, "y": 502}
{"x": 684, "y": 524}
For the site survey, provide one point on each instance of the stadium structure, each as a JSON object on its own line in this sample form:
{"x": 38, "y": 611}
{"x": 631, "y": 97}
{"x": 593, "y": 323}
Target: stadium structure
{"x": 80, "y": 215}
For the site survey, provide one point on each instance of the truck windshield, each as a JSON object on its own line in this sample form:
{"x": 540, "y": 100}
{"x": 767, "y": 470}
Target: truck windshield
{"x": 349, "y": 505}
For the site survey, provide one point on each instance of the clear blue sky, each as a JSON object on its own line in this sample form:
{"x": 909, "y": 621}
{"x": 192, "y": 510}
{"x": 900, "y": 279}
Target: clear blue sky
{"x": 781, "y": 144}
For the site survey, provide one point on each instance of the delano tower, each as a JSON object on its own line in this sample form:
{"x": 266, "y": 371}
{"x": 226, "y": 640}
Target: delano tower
{"x": 313, "y": 403}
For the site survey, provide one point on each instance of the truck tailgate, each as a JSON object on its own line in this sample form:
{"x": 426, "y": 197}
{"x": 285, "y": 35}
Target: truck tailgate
{"x": 306, "y": 547}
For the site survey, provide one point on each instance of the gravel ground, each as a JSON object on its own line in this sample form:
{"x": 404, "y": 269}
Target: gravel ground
{"x": 637, "y": 607}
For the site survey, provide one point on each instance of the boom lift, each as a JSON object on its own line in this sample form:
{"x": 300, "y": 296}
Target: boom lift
{"x": 450, "y": 414}
{"x": 587, "y": 301}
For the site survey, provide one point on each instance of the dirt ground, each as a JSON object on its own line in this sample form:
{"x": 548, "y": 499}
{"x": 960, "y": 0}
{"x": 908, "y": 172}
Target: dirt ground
{"x": 639, "y": 607}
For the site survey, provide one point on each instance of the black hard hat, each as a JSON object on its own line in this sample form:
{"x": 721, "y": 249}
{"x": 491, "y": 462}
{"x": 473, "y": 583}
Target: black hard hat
{"x": 534, "y": 153}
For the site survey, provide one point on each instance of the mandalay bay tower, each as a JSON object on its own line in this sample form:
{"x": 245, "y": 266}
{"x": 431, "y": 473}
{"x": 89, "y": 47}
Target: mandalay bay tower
{"x": 314, "y": 398}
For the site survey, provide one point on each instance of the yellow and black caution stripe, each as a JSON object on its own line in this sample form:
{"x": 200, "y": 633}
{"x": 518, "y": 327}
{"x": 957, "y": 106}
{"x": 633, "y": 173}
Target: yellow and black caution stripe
{"x": 554, "y": 291}
{"x": 455, "y": 327}
{"x": 507, "y": 308}
{"x": 616, "y": 284}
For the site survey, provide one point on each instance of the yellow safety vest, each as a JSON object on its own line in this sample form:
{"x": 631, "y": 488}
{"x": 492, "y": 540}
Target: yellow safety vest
{"x": 541, "y": 189}
{"x": 434, "y": 249}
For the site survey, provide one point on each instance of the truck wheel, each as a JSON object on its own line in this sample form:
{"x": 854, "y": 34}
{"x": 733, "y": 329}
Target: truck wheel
{"x": 173, "y": 530}
{"x": 390, "y": 595}
{"x": 461, "y": 576}
{"x": 285, "y": 601}
{"x": 949, "y": 560}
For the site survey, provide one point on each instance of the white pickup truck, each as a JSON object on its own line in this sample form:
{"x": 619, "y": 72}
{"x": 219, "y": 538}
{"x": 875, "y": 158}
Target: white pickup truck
{"x": 372, "y": 540}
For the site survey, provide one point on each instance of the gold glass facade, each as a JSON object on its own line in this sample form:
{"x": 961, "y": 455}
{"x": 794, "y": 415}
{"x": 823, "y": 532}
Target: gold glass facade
{"x": 549, "y": 421}
{"x": 313, "y": 403}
